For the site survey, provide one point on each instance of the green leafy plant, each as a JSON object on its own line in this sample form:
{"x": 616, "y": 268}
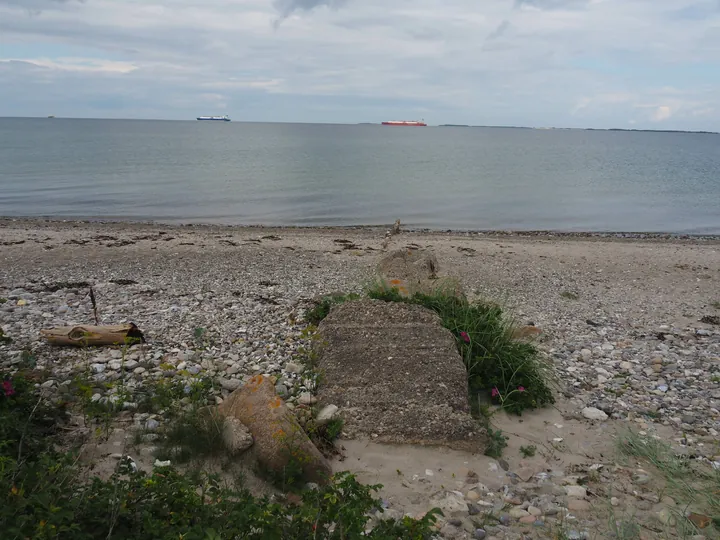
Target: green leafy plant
{"x": 44, "y": 494}
{"x": 528, "y": 451}
{"x": 496, "y": 443}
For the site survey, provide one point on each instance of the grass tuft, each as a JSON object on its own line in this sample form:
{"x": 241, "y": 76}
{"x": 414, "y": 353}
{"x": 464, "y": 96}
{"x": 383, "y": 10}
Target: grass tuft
{"x": 569, "y": 295}
{"x": 325, "y": 304}
{"x": 508, "y": 370}
{"x": 690, "y": 483}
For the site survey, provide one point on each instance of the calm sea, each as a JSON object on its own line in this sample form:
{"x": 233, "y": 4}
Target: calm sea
{"x": 305, "y": 174}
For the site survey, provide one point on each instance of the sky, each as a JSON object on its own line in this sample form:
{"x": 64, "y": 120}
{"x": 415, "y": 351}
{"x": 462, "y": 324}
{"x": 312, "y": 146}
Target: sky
{"x": 644, "y": 64}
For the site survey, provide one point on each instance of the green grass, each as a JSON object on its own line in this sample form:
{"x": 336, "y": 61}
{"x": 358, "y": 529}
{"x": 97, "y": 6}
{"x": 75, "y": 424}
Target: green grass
{"x": 528, "y": 451}
{"x": 715, "y": 304}
{"x": 507, "y": 370}
{"x": 691, "y": 484}
{"x": 569, "y": 295}
{"x": 325, "y": 304}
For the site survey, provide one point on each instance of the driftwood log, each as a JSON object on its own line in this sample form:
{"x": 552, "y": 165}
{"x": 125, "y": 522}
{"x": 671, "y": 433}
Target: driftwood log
{"x": 82, "y": 336}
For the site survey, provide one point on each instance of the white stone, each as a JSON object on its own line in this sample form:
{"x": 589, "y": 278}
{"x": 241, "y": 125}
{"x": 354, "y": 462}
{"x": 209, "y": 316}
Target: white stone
{"x": 591, "y": 413}
{"x": 449, "y": 502}
{"x": 577, "y": 492}
{"x": 97, "y": 368}
{"x": 236, "y": 435}
{"x": 307, "y": 399}
{"x": 326, "y": 415}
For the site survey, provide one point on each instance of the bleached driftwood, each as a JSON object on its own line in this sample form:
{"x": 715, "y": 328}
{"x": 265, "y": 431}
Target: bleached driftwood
{"x": 82, "y": 336}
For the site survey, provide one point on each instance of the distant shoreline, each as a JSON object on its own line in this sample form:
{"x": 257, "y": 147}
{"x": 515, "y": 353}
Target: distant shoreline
{"x": 7, "y": 223}
{"x": 584, "y": 129}
{"x": 370, "y": 124}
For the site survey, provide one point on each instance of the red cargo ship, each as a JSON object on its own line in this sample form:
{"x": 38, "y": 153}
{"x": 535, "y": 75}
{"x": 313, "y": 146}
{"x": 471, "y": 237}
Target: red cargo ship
{"x": 404, "y": 123}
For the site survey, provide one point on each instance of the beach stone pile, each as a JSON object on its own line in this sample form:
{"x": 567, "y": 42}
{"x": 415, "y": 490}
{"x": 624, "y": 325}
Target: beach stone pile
{"x": 670, "y": 375}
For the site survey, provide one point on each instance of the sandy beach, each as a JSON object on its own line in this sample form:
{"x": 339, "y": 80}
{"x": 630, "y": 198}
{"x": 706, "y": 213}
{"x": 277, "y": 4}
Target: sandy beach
{"x": 630, "y": 324}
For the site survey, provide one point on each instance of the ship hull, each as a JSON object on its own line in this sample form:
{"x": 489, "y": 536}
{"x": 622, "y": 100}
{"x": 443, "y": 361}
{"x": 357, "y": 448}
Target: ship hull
{"x": 405, "y": 124}
{"x": 213, "y": 119}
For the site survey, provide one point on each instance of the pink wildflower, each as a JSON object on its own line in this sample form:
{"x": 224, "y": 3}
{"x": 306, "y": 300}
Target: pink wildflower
{"x": 521, "y": 388}
{"x": 495, "y": 392}
{"x": 465, "y": 337}
{"x": 8, "y": 388}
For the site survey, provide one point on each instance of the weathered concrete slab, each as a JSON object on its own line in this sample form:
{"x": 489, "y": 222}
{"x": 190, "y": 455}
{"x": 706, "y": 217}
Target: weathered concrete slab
{"x": 396, "y": 375}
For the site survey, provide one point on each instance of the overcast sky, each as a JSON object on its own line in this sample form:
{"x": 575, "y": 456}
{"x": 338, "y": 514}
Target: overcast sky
{"x": 567, "y": 63}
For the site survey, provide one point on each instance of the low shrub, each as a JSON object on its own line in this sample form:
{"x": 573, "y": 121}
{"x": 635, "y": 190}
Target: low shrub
{"x": 44, "y": 496}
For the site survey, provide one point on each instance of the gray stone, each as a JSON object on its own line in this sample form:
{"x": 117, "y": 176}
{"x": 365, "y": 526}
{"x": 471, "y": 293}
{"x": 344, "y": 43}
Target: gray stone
{"x": 236, "y": 436}
{"x": 591, "y": 413}
{"x": 292, "y": 367}
{"x": 409, "y": 271}
{"x": 473, "y": 509}
{"x": 151, "y": 424}
{"x": 480, "y": 534}
{"x": 397, "y": 374}
{"x": 230, "y": 384}
{"x": 281, "y": 390}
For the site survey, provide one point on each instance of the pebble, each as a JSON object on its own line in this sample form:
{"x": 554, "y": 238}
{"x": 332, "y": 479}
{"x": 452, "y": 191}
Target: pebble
{"x": 577, "y": 492}
{"x": 230, "y": 384}
{"x": 591, "y": 413}
{"x": 578, "y": 505}
{"x": 307, "y": 399}
{"x": 292, "y": 367}
{"x": 518, "y": 513}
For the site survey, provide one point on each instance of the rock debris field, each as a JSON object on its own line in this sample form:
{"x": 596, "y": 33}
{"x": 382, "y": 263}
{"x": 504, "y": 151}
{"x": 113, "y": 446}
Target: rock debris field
{"x": 630, "y": 325}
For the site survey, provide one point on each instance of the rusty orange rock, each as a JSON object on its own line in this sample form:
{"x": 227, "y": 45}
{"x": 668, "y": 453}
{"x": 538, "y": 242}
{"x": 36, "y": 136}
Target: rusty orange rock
{"x": 279, "y": 439}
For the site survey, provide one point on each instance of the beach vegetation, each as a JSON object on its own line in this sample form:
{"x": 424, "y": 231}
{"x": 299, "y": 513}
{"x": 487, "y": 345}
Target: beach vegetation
{"x": 47, "y": 494}
{"x": 691, "y": 483}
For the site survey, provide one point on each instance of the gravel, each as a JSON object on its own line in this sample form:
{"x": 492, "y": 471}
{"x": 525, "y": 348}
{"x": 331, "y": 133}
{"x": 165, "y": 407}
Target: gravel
{"x": 628, "y": 343}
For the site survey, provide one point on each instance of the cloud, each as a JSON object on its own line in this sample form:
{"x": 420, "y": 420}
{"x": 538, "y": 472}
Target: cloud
{"x": 552, "y": 4}
{"x": 663, "y": 112}
{"x": 595, "y": 63}
{"x": 85, "y": 65}
{"x": 286, "y": 7}
{"x": 500, "y": 30}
